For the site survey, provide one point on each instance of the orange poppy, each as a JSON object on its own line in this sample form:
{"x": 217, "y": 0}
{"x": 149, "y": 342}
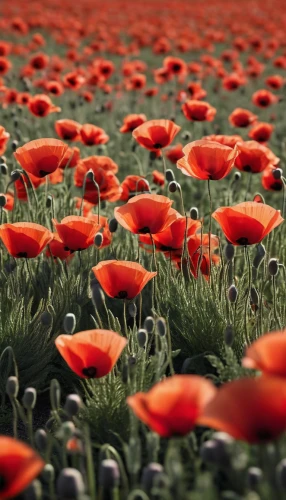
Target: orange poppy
{"x": 23, "y": 98}
{"x": 70, "y": 158}
{"x": 175, "y": 153}
{"x": 76, "y": 232}
{"x": 199, "y": 247}
{"x": 94, "y": 163}
{"x": 207, "y": 160}
{"x": 247, "y": 223}
{"x": 254, "y": 157}
{"x": 73, "y": 80}
{"x": 132, "y": 185}
{"x": 68, "y": 130}
{"x": 136, "y": 81}
{"x": 172, "y": 407}
{"x": 146, "y": 213}
{"x": 57, "y": 249}
{"x": 233, "y": 81}
{"x": 25, "y": 239}
{"x": 104, "y": 228}
{"x": 156, "y": 134}
{"x": 269, "y": 182}
{"x": 162, "y": 75}
{"x": 241, "y": 118}
{"x": 196, "y": 91}
{"x": 5, "y": 65}
{"x": 103, "y": 169}
{"x": 175, "y": 65}
{"x": 92, "y": 135}
{"x": 151, "y": 91}
{"x": 131, "y": 122}
{"x": 122, "y": 279}
{"x": 4, "y": 138}
{"x": 55, "y": 88}
{"x": 39, "y": 61}
{"x": 91, "y": 354}
{"x": 198, "y": 111}
{"x": 275, "y": 82}
{"x": 249, "y": 409}
{"x": 41, "y": 105}
{"x": 264, "y": 98}
{"x": 41, "y": 157}
{"x": 158, "y": 178}
{"x": 172, "y": 238}
{"x": 261, "y": 132}
{"x": 9, "y": 201}
{"x": 19, "y": 465}
{"x": 226, "y": 140}
{"x": 267, "y": 354}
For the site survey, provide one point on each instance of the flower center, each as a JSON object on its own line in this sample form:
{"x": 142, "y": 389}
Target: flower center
{"x": 89, "y": 372}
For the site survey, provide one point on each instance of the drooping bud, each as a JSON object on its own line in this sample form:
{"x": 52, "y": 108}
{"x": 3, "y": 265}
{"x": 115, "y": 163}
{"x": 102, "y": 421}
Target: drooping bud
{"x": 170, "y": 176}
{"x": 29, "y": 398}
{"x": 229, "y": 251}
{"x": 229, "y": 335}
{"x": 237, "y": 176}
{"x": 260, "y": 254}
{"x": 232, "y": 294}
{"x": 49, "y": 201}
{"x": 73, "y": 405}
{"x": 97, "y": 294}
{"x": 132, "y": 309}
{"x": 109, "y": 475}
{"x": 14, "y": 146}
{"x": 70, "y": 484}
{"x": 142, "y": 337}
{"x": 69, "y": 323}
{"x": 15, "y": 175}
{"x": 194, "y": 213}
{"x": 150, "y": 472}
{"x": 281, "y": 474}
{"x": 254, "y": 296}
{"x": 4, "y": 169}
{"x": 46, "y": 318}
{"x": 113, "y": 225}
{"x": 173, "y": 187}
{"x": 161, "y": 327}
{"x": 277, "y": 173}
{"x": 34, "y": 491}
{"x": 186, "y": 135}
{"x": 90, "y": 175}
{"x": 273, "y": 267}
{"x": 41, "y": 440}
{"x": 254, "y": 477}
{"x": 98, "y": 240}
{"x": 55, "y": 394}
{"x": 149, "y": 324}
{"x": 48, "y": 473}
{"x": 12, "y": 387}
{"x": 3, "y": 200}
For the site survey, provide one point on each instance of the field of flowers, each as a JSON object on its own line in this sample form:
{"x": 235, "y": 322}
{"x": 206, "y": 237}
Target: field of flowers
{"x": 142, "y": 250}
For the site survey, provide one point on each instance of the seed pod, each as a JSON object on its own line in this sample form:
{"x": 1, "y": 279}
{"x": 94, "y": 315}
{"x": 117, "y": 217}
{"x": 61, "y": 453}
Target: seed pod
{"x": 14, "y": 146}
{"x": 12, "y": 387}
{"x": 186, "y": 135}
{"x": 97, "y": 295}
{"x": 277, "y": 173}
{"x": 149, "y": 324}
{"x": 67, "y": 430}
{"x": 15, "y": 175}
{"x": 70, "y": 484}
{"x": 229, "y": 251}
{"x": 46, "y": 318}
{"x": 237, "y": 176}
{"x": 41, "y": 440}
{"x": 73, "y": 405}
{"x": 273, "y": 267}
{"x": 55, "y": 394}
{"x": 142, "y": 337}
{"x": 49, "y": 201}
{"x": 29, "y": 398}
{"x": 254, "y": 477}
{"x": 260, "y": 254}
{"x": 254, "y": 296}
{"x": 109, "y": 475}
{"x": 232, "y": 294}
{"x": 208, "y": 451}
{"x": 161, "y": 327}
{"x": 4, "y": 169}
{"x": 34, "y": 491}
{"x": 69, "y": 323}
{"x": 90, "y": 175}
{"x": 132, "y": 309}
{"x": 149, "y": 474}
{"x": 113, "y": 225}
{"x": 48, "y": 473}
{"x": 229, "y": 335}
{"x": 3, "y": 200}
{"x": 281, "y": 474}
{"x": 98, "y": 240}
{"x": 194, "y": 213}
{"x": 170, "y": 176}
{"x": 173, "y": 187}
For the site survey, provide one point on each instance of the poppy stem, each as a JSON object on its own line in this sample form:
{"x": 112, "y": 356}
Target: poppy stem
{"x": 140, "y": 309}
{"x": 98, "y": 204}
{"x": 164, "y": 165}
{"x": 247, "y": 259}
{"x": 125, "y": 320}
{"x": 248, "y": 188}
{"x": 182, "y": 199}
{"x": 210, "y": 229}
{"x": 275, "y": 313}
{"x": 284, "y": 197}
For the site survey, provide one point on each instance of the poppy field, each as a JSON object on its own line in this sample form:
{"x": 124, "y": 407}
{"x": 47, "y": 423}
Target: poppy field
{"x": 142, "y": 250}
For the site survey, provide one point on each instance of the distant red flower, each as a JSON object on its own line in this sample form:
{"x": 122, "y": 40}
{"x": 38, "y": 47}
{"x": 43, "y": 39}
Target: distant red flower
{"x": 76, "y": 232}
{"x": 156, "y": 134}
{"x": 158, "y": 178}
{"x": 254, "y": 157}
{"x": 241, "y": 118}
{"x": 131, "y": 122}
{"x": 132, "y": 185}
{"x": 198, "y": 111}
{"x": 57, "y": 249}
{"x": 9, "y": 201}
{"x": 40, "y": 105}
{"x": 198, "y": 248}
{"x": 264, "y": 98}
{"x": 162, "y": 75}
{"x": 175, "y": 65}
{"x": 39, "y": 61}
{"x": 261, "y": 132}
{"x": 196, "y": 91}
{"x": 70, "y": 158}
{"x": 275, "y": 82}
{"x": 247, "y": 223}
{"x": 23, "y": 98}
{"x": 4, "y": 138}
{"x": 5, "y": 66}
{"x": 92, "y": 353}
{"x": 136, "y": 81}
{"x": 175, "y": 153}
{"x": 103, "y": 169}
{"x": 68, "y": 130}
{"x": 171, "y": 240}
{"x": 225, "y": 140}
{"x": 172, "y": 407}
{"x": 269, "y": 182}
{"x": 73, "y": 80}
{"x": 55, "y": 88}
{"x": 92, "y": 135}
{"x": 41, "y": 157}
{"x": 151, "y": 91}
{"x": 24, "y": 239}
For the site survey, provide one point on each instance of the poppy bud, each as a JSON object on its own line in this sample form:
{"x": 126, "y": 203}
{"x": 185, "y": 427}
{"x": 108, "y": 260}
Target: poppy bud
{"x": 142, "y": 337}
{"x": 49, "y": 201}
{"x": 97, "y": 295}
{"x": 132, "y": 309}
{"x": 277, "y": 173}
{"x": 15, "y": 175}
{"x": 281, "y": 474}
{"x": 3, "y": 159}
{"x": 232, "y": 294}
{"x": 14, "y": 146}
{"x": 55, "y": 394}
{"x": 161, "y": 327}
{"x": 16, "y": 122}
{"x": 46, "y": 318}
{"x": 254, "y": 477}
{"x": 41, "y": 440}
{"x": 70, "y": 484}
{"x": 150, "y": 472}
{"x": 69, "y": 323}
{"x": 173, "y": 186}
{"x": 194, "y": 213}
{"x": 48, "y": 473}
{"x": 29, "y": 398}
{"x": 254, "y": 296}
{"x": 207, "y": 451}
{"x": 12, "y": 387}
{"x": 125, "y": 374}
{"x": 4, "y": 169}
{"x": 273, "y": 267}
{"x": 109, "y": 475}
{"x": 67, "y": 430}
{"x": 98, "y": 240}
{"x": 90, "y": 175}
{"x": 229, "y": 251}
{"x": 170, "y": 176}
{"x": 73, "y": 405}
{"x": 237, "y": 176}
{"x": 152, "y": 155}
{"x": 261, "y": 250}
{"x": 229, "y": 335}
{"x": 34, "y": 491}
{"x": 3, "y": 200}
{"x": 186, "y": 136}
{"x": 149, "y": 324}
{"x": 113, "y": 225}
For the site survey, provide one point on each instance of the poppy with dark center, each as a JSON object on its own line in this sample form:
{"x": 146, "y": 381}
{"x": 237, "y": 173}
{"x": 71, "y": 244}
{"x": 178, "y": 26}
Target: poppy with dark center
{"x": 200, "y": 248}
{"x": 175, "y": 65}
{"x": 41, "y": 105}
{"x": 196, "y": 91}
{"x": 225, "y": 140}
{"x": 122, "y": 279}
{"x": 254, "y": 157}
{"x": 4, "y": 138}
{"x": 68, "y": 130}
{"x": 275, "y": 82}
{"x": 247, "y": 223}
{"x": 5, "y": 65}
{"x": 71, "y": 158}
{"x": 156, "y": 134}
{"x": 207, "y": 160}
{"x": 103, "y": 169}
{"x": 175, "y": 153}
{"x": 92, "y": 353}
{"x": 132, "y": 185}
{"x": 172, "y": 407}
{"x": 172, "y": 239}
{"x": 249, "y": 409}
{"x": 76, "y": 232}
{"x": 198, "y": 111}
{"x": 41, "y": 157}
{"x": 146, "y": 213}
{"x": 135, "y": 82}
{"x": 269, "y": 182}
{"x": 264, "y": 98}
{"x": 39, "y": 61}
{"x": 55, "y": 88}
{"x": 91, "y": 135}
{"x": 131, "y": 122}
{"x": 267, "y": 354}
{"x": 56, "y": 249}
{"x": 25, "y": 239}
{"x": 73, "y": 80}
{"x": 261, "y": 132}
{"x": 19, "y": 466}
{"x": 241, "y": 118}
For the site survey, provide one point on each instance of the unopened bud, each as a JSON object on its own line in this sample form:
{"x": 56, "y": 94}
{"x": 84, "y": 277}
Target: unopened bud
{"x": 15, "y": 175}
{"x": 29, "y": 398}
{"x": 55, "y": 394}
{"x": 109, "y": 475}
{"x": 67, "y": 430}
{"x": 254, "y": 296}
{"x": 46, "y": 318}
{"x": 73, "y": 405}
{"x": 49, "y": 201}
{"x": 232, "y": 294}
{"x": 3, "y": 200}
{"x": 194, "y": 213}
{"x": 186, "y": 136}
{"x": 41, "y": 440}
{"x": 132, "y": 309}
{"x": 254, "y": 477}
{"x": 69, "y": 323}
{"x": 70, "y": 484}
{"x": 237, "y": 176}
{"x": 170, "y": 176}
{"x": 208, "y": 451}
{"x": 12, "y": 387}
{"x": 98, "y": 240}
{"x": 277, "y": 173}
{"x": 161, "y": 327}
{"x": 48, "y": 473}
{"x": 113, "y": 225}
{"x": 90, "y": 175}
{"x": 229, "y": 251}
{"x": 34, "y": 491}
{"x": 229, "y": 335}
{"x": 142, "y": 337}
{"x": 14, "y": 146}
{"x": 149, "y": 324}
{"x": 97, "y": 295}
{"x": 273, "y": 267}
{"x": 150, "y": 472}
{"x": 4, "y": 169}
{"x": 173, "y": 187}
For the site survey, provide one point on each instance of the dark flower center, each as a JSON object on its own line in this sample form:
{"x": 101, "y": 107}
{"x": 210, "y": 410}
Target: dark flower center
{"x": 89, "y": 372}
{"x": 3, "y": 483}
{"x": 276, "y": 186}
{"x": 144, "y": 230}
{"x": 264, "y": 102}
{"x": 242, "y": 241}
{"x": 22, "y": 254}
{"x": 247, "y": 168}
{"x": 122, "y": 295}
{"x": 157, "y": 146}
{"x": 264, "y": 434}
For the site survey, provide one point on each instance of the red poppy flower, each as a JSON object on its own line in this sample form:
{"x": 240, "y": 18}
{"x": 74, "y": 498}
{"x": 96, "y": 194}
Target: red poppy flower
{"x": 57, "y": 249}
{"x": 131, "y": 122}
{"x": 23, "y": 98}
{"x": 55, "y": 88}
{"x": 207, "y": 160}
{"x": 92, "y": 135}
{"x": 25, "y": 239}
{"x": 76, "y": 232}
{"x": 267, "y": 354}
{"x": 73, "y": 80}
{"x": 175, "y": 153}
{"x": 171, "y": 240}
{"x": 198, "y": 111}
{"x": 158, "y": 178}
{"x": 247, "y": 223}
{"x": 39, "y": 61}
{"x": 254, "y": 157}
{"x": 269, "y": 182}
{"x": 41, "y": 157}
{"x": 198, "y": 248}
{"x": 132, "y": 185}
{"x": 136, "y": 81}
{"x": 172, "y": 407}
{"x": 156, "y": 134}
{"x": 275, "y": 82}
{"x": 103, "y": 169}
{"x": 70, "y": 159}
{"x": 40, "y": 105}
{"x": 233, "y": 82}
{"x": 122, "y": 279}
{"x": 151, "y": 92}
{"x": 226, "y": 140}
{"x": 264, "y": 98}
{"x": 175, "y": 65}
{"x": 91, "y": 354}
{"x": 9, "y": 201}
{"x": 241, "y": 118}
{"x": 10, "y": 97}
{"x": 249, "y": 409}
{"x": 68, "y": 130}
{"x": 261, "y": 132}
{"x": 19, "y": 465}
{"x": 4, "y": 138}
{"x": 196, "y": 91}
{"x": 23, "y": 184}
{"x": 104, "y": 228}
{"x": 146, "y": 213}
{"x": 5, "y": 48}
{"x": 5, "y": 65}
{"x": 162, "y": 75}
